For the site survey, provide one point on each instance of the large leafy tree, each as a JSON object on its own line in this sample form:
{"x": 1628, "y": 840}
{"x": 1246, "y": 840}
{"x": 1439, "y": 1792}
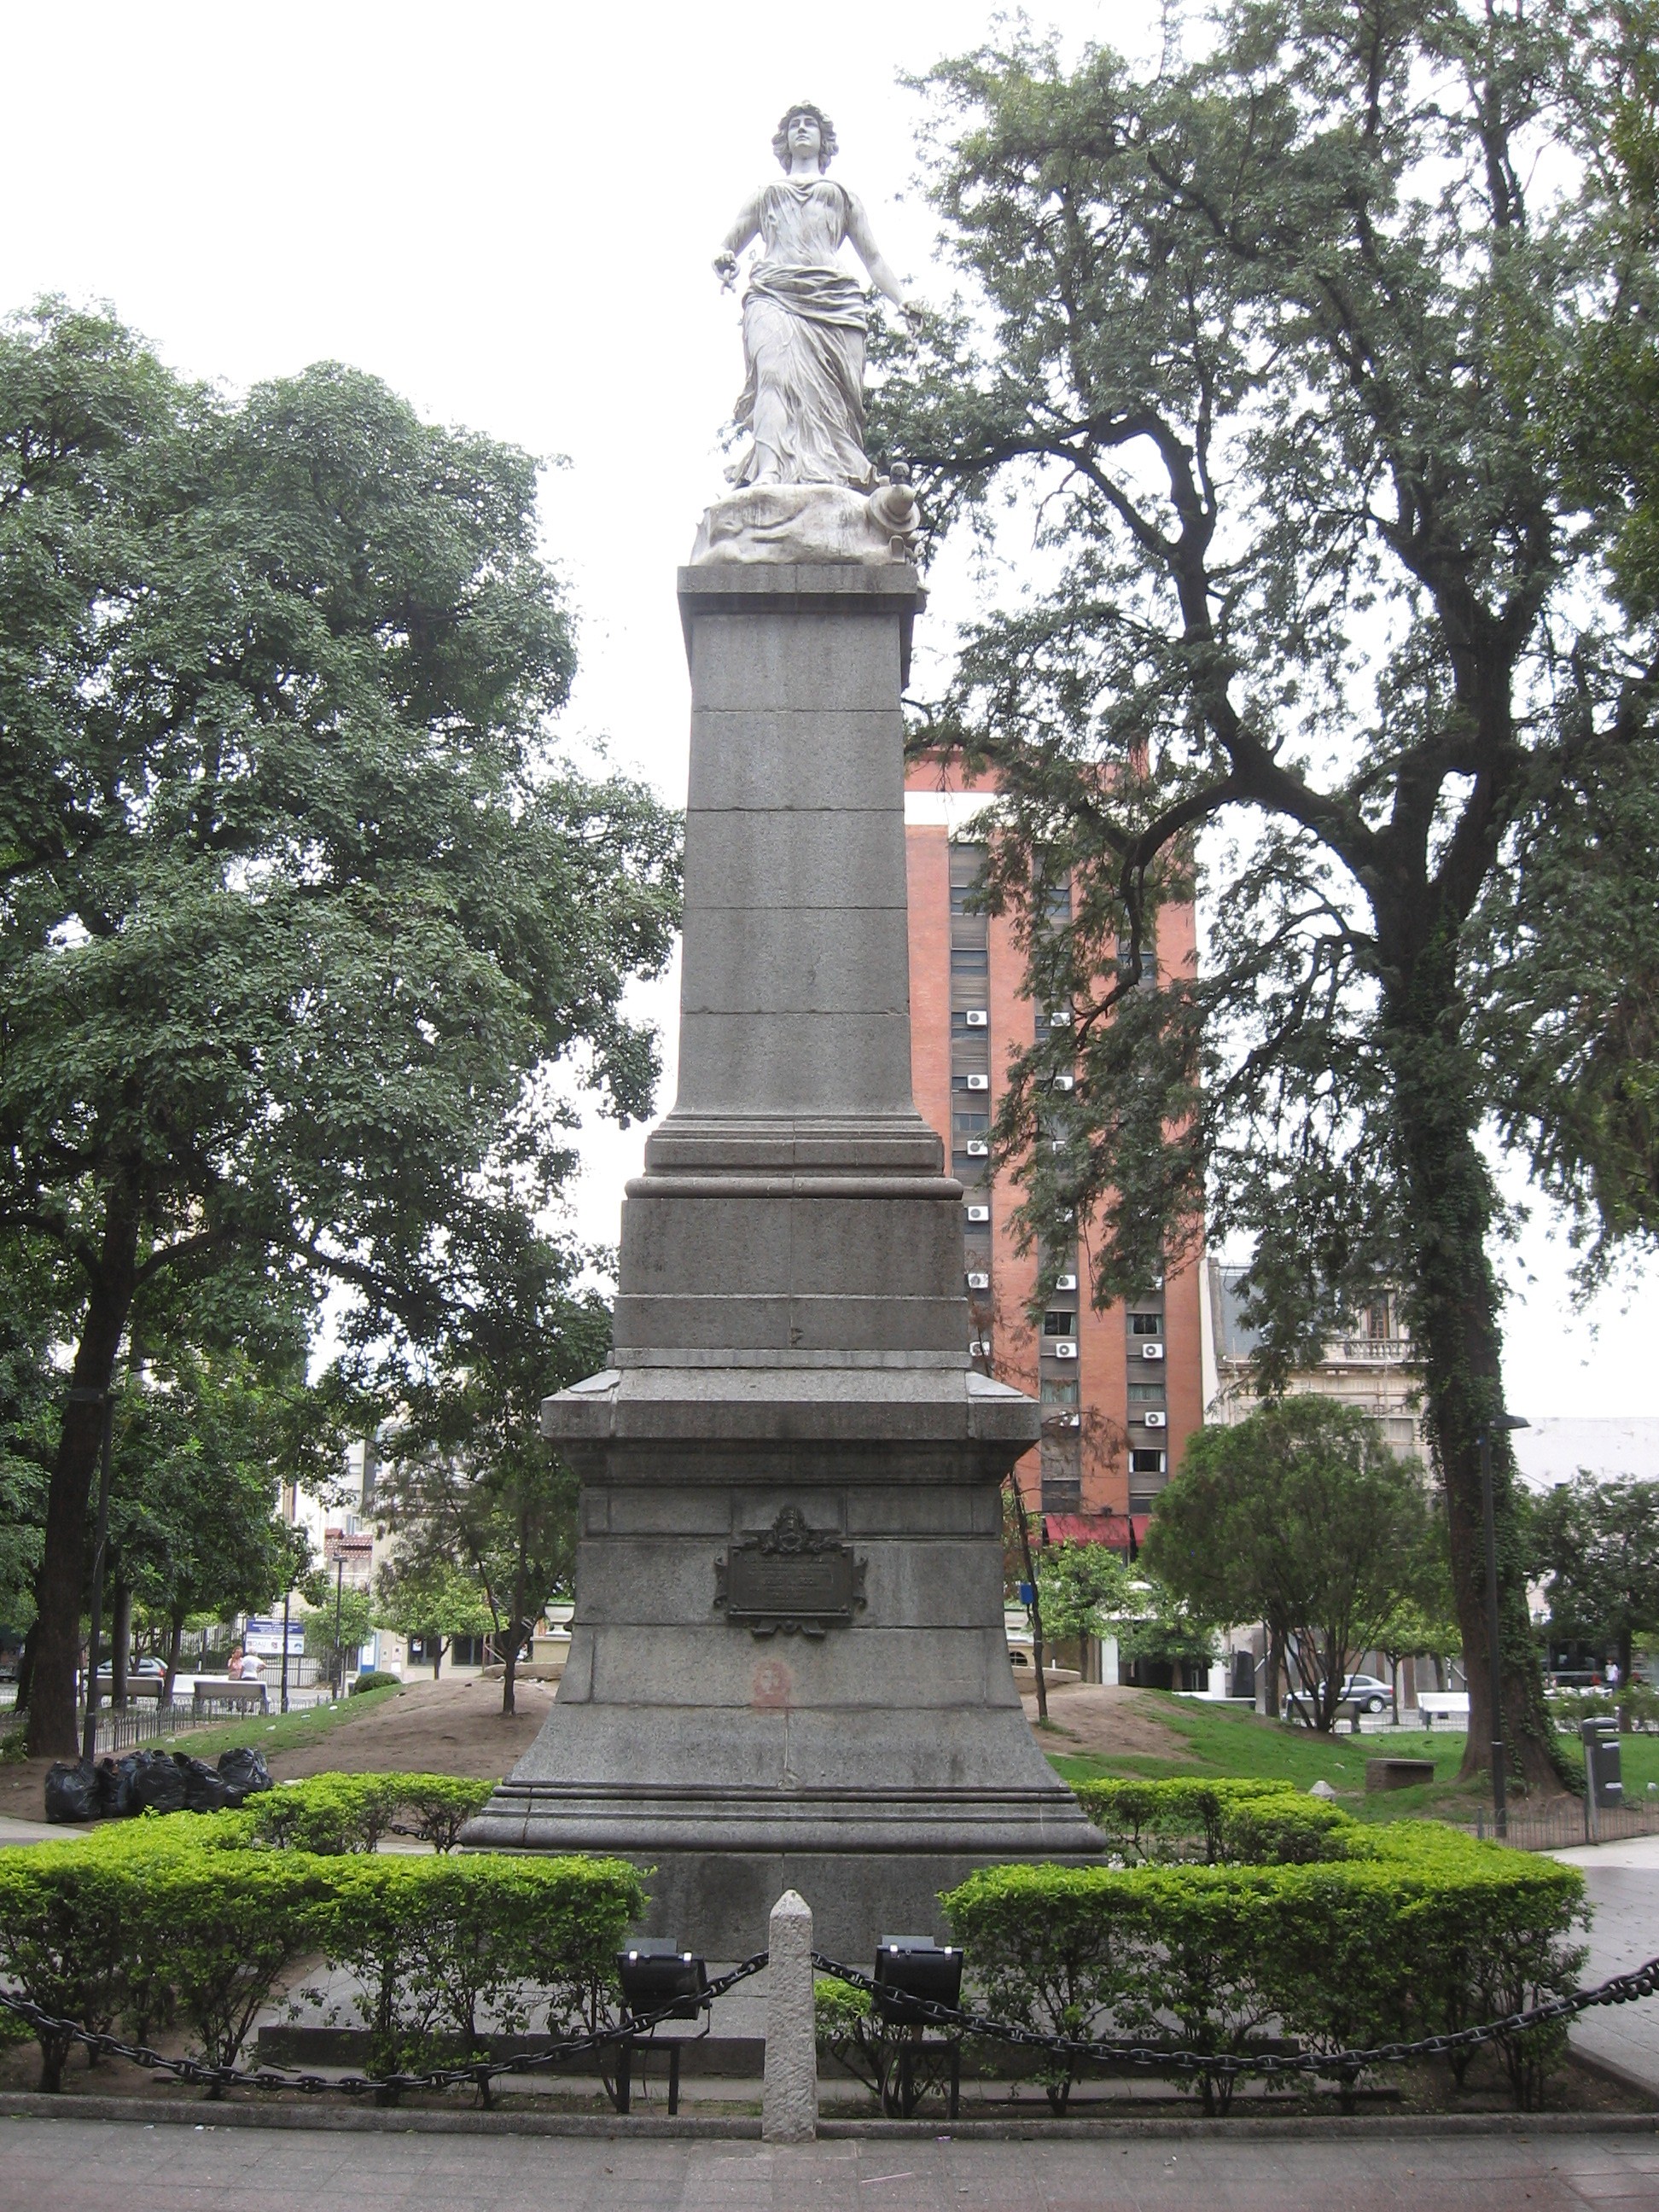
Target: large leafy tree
{"x": 1302, "y": 1517}
{"x": 1276, "y": 345}
{"x": 1596, "y": 1545}
{"x": 296, "y": 910}
{"x": 467, "y": 1484}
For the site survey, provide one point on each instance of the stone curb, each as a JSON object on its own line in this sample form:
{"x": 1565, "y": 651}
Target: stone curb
{"x": 366, "y": 2119}
{"x": 350, "y": 2119}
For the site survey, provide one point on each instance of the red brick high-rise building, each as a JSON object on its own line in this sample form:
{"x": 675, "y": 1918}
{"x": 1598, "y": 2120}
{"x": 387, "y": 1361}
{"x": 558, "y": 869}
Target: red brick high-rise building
{"x": 1122, "y": 1390}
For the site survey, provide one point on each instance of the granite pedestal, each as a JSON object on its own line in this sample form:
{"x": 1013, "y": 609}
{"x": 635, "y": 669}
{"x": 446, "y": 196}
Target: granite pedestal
{"x": 787, "y": 1665}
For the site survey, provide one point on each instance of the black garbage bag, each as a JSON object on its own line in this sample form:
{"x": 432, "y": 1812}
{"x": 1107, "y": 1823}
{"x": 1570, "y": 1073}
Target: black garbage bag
{"x": 204, "y": 1789}
{"x": 244, "y": 1774}
{"x": 157, "y": 1785}
{"x": 72, "y": 1791}
{"x": 115, "y": 1780}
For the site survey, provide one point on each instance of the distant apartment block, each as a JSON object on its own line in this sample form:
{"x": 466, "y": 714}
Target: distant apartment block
{"x": 1122, "y": 1390}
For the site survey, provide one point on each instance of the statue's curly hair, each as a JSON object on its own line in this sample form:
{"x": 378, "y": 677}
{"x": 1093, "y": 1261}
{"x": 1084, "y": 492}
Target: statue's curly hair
{"x": 826, "y": 134}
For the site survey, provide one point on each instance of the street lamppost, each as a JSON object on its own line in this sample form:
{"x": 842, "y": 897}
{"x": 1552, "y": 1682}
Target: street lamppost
{"x": 1499, "y": 1778}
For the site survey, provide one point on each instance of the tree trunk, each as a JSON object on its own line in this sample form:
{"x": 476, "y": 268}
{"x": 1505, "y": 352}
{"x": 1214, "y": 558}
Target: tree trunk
{"x": 1452, "y": 1304}
{"x": 25, "y": 1669}
{"x": 58, "y": 1586}
{"x": 120, "y": 1645}
{"x": 515, "y": 1627}
{"x": 175, "y": 1638}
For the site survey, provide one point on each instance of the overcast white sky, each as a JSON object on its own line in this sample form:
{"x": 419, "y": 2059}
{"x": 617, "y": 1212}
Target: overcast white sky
{"x": 509, "y": 212}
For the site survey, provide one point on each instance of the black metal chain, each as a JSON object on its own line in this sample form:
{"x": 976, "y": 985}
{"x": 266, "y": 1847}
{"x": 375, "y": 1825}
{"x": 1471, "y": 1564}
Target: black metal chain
{"x": 196, "y": 2072}
{"x": 1621, "y": 1989}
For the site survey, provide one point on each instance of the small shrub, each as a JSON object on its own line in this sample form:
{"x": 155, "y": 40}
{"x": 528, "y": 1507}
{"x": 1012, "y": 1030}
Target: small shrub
{"x": 334, "y": 1813}
{"x": 373, "y": 1678}
{"x": 329, "y": 1813}
{"x": 1418, "y": 1931}
{"x": 438, "y": 1943}
{"x": 1287, "y": 1830}
{"x": 66, "y": 1940}
{"x": 440, "y": 1805}
{"x": 1173, "y": 1818}
{"x": 194, "y": 1919}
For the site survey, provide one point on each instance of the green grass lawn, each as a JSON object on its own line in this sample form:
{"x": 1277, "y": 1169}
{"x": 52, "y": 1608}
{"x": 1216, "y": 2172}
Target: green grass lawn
{"x": 1224, "y": 1740}
{"x": 275, "y": 1731}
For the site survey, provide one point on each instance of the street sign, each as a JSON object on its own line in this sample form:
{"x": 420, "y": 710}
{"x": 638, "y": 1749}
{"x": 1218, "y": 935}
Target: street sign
{"x": 263, "y": 1638}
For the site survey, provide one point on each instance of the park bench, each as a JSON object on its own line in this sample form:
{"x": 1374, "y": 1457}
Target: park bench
{"x": 139, "y": 1686}
{"x": 219, "y": 1690}
{"x": 1442, "y": 1705}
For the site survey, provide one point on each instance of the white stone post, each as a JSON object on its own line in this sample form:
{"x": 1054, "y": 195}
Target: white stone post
{"x": 789, "y": 2099}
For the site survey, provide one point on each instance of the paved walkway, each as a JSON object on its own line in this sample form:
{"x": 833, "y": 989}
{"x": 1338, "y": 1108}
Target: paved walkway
{"x": 77, "y": 2165}
{"x": 1623, "y": 1880}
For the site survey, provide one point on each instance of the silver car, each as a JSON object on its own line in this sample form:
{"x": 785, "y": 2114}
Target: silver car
{"x": 1366, "y": 1693}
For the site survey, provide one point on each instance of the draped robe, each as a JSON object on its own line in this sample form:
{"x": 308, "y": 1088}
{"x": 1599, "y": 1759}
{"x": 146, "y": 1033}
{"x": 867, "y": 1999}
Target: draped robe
{"x": 803, "y": 341}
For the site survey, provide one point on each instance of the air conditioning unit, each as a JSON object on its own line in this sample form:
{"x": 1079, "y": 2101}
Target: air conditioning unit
{"x": 1060, "y": 1017}
{"x": 1066, "y": 1083}
{"x": 1064, "y": 1282}
{"x": 1154, "y": 1419}
{"x": 979, "y": 1214}
{"x": 1152, "y": 1352}
{"x": 978, "y": 1149}
{"x": 1069, "y": 1421}
{"x": 979, "y": 1083}
{"x": 1062, "y": 1348}
{"x": 978, "y": 1280}
{"x": 979, "y": 1347}
{"x": 1057, "y": 1144}
{"x": 977, "y": 1018}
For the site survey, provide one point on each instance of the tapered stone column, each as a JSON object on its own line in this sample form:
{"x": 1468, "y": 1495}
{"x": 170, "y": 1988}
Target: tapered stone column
{"x": 787, "y": 1666}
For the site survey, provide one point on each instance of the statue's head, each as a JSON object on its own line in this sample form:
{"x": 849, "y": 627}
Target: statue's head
{"x": 801, "y": 117}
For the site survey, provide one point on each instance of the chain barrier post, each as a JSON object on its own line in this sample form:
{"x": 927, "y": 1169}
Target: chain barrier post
{"x": 789, "y": 2095}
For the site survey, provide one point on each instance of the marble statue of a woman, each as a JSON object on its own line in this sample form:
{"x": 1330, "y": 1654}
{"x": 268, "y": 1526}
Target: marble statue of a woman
{"x": 803, "y": 317}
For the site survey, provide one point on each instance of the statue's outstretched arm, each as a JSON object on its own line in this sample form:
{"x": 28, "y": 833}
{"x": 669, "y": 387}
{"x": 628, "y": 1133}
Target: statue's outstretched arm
{"x": 746, "y": 227}
{"x": 863, "y": 244}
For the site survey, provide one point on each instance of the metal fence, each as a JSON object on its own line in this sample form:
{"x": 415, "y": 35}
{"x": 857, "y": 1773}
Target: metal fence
{"x": 1562, "y": 1829}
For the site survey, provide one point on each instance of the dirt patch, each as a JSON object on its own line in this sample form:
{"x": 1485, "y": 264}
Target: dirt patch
{"x": 1107, "y": 1719}
{"x": 430, "y": 1728}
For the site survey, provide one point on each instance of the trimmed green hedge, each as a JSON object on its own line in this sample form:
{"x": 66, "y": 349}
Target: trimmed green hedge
{"x": 187, "y": 1920}
{"x": 1414, "y": 1930}
{"x": 334, "y": 1813}
{"x": 1176, "y": 1818}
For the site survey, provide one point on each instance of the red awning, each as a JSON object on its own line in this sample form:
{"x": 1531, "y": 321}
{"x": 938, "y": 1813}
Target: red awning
{"x": 1111, "y": 1528}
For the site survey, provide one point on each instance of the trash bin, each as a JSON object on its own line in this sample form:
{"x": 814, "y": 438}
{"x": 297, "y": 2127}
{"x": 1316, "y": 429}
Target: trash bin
{"x": 1603, "y": 1763}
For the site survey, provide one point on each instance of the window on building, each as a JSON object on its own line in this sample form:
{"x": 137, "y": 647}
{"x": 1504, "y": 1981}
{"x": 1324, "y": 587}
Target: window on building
{"x": 1145, "y": 1462}
{"x": 1145, "y": 1324}
{"x": 969, "y": 960}
{"x": 1145, "y": 1394}
{"x": 1059, "y": 1390}
{"x": 1148, "y": 960}
{"x": 967, "y": 867}
{"x": 1377, "y": 1318}
{"x": 967, "y": 1124}
{"x": 1058, "y": 1323}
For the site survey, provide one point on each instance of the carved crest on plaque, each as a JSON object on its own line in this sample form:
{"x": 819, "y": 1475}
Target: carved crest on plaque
{"x": 790, "y": 1580}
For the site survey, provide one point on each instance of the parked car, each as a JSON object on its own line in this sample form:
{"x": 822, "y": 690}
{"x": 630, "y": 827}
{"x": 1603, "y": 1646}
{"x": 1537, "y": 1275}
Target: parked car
{"x": 1367, "y": 1693}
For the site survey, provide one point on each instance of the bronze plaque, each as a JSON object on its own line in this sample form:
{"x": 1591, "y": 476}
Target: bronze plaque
{"x": 790, "y": 1579}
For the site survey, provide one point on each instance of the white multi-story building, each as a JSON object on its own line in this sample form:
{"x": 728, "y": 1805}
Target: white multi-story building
{"x": 1372, "y": 1367}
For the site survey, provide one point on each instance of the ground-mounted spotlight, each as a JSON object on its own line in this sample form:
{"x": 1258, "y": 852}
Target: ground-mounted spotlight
{"x": 655, "y": 1973}
{"x": 911, "y": 1972}
{"x": 908, "y": 1968}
